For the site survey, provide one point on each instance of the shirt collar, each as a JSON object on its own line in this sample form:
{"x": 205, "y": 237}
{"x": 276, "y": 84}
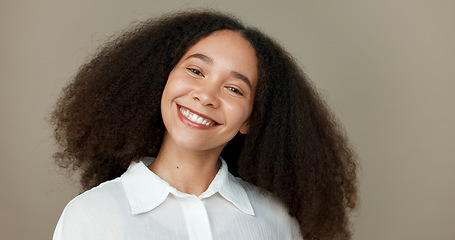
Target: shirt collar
{"x": 146, "y": 191}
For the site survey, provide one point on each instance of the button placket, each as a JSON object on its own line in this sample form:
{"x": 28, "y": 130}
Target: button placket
{"x": 196, "y": 218}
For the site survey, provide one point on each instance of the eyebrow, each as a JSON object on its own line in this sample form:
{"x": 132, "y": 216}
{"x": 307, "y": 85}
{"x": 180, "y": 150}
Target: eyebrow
{"x": 233, "y": 73}
{"x": 202, "y": 57}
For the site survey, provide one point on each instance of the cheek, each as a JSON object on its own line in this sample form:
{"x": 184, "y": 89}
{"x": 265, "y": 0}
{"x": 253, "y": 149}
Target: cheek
{"x": 167, "y": 96}
{"x": 164, "y": 96}
{"x": 177, "y": 84}
{"x": 240, "y": 112}
{"x": 170, "y": 90}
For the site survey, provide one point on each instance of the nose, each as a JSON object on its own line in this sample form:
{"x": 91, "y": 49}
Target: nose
{"x": 207, "y": 94}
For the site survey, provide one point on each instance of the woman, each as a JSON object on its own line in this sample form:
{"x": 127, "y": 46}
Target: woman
{"x": 158, "y": 114}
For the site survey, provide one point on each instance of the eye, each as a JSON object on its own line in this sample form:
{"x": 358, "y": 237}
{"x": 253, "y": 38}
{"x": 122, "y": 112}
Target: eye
{"x": 234, "y": 90}
{"x": 195, "y": 71}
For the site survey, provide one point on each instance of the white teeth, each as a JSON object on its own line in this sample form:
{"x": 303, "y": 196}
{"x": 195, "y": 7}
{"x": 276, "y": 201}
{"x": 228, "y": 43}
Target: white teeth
{"x": 199, "y": 120}
{"x": 195, "y": 118}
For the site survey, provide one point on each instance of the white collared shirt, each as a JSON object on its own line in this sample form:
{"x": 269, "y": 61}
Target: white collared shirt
{"x": 140, "y": 205}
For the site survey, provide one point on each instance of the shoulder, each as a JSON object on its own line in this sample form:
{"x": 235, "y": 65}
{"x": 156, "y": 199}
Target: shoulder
{"x": 270, "y": 210}
{"x": 88, "y": 211}
{"x": 97, "y": 198}
{"x": 261, "y": 199}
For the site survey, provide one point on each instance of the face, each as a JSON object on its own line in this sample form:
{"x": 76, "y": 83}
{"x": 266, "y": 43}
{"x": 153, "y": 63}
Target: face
{"x": 209, "y": 95}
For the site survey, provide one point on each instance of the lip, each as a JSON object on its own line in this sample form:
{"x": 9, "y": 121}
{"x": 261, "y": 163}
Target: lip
{"x": 186, "y": 121}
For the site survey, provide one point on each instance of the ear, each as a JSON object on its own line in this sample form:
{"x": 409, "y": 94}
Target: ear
{"x": 245, "y": 127}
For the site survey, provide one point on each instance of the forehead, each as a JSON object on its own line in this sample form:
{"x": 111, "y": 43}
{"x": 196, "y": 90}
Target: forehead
{"x": 228, "y": 49}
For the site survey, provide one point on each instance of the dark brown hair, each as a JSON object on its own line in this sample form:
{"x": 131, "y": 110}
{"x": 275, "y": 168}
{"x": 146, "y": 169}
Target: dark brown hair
{"x": 109, "y": 115}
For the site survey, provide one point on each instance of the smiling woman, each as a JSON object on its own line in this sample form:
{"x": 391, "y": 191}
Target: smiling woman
{"x": 211, "y": 84}
{"x": 155, "y": 118}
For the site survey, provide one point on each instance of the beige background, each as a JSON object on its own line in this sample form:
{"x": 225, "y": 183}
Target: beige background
{"x": 387, "y": 68}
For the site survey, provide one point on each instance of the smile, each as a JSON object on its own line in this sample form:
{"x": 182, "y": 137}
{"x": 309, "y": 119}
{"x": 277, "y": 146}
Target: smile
{"x": 193, "y": 117}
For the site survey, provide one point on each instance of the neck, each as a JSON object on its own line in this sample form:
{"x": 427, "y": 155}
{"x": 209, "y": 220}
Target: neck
{"x": 188, "y": 171}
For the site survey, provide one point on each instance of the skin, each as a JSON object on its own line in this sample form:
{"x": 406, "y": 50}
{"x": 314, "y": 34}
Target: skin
{"x": 215, "y": 79}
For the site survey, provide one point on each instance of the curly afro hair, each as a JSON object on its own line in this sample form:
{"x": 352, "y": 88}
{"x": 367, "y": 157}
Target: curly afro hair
{"x": 109, "y": 115}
